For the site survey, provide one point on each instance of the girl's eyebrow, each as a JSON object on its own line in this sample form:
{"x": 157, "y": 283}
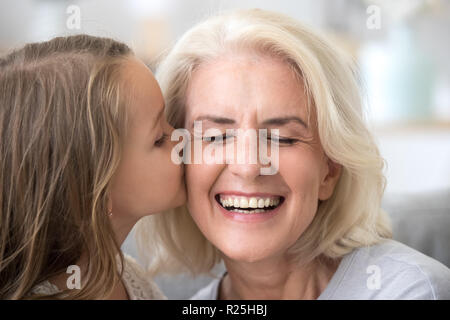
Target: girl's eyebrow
{"x": 284, "y": 120}
{"x": 158, "y": 116}
{"x": 155, "y": 123}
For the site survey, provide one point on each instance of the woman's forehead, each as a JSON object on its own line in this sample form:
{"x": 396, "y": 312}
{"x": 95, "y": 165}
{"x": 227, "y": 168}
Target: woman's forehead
{"x": 246, "y": 94}
{"x": 264, "y": 86}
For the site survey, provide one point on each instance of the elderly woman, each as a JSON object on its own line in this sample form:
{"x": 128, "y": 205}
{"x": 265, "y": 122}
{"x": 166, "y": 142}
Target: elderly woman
{"x": 312, "y": 230}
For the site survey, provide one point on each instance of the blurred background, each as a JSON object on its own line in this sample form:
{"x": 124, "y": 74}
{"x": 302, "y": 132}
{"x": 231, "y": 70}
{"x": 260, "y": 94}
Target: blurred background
{"x": 402, "y": 48}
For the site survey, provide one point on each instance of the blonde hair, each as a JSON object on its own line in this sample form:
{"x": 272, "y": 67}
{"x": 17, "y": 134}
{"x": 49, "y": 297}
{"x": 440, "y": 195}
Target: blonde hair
{"x": 62, "y": 122}
{"x": 352, "y": 216}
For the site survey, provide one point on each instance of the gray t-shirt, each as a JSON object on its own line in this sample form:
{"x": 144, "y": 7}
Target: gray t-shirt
{"x": 389, "y": 270}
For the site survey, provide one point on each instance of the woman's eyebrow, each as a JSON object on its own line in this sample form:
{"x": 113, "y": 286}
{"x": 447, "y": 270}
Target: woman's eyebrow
{"x": 215, "y": 119}
{"x": 272, "y": 121}
{"x": 284, "y": 120}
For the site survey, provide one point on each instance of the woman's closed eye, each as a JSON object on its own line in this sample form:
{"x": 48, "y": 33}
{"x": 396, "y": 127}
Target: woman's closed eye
{"x": 227, "y": 137}
{"x": 218, "y": 138}
{"x": 283, "y": 140}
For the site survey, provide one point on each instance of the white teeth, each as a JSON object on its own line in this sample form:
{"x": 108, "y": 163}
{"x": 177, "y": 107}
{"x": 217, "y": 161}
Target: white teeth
{"x": 243, "y": 203}
{"x": 248, "y": 211}
{"x": 261, "y": 203}
{"x": 249, "y": 202}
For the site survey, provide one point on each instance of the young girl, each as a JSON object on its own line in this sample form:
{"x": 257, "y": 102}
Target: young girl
{"x": 84, "y": 155}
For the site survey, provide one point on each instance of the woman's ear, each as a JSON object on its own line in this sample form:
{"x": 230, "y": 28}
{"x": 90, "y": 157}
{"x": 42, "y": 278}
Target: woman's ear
{"x": 330, "y": 180}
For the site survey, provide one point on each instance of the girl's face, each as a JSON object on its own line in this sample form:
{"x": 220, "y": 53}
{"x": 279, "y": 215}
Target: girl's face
{"x": 246, "y": 215}
{"x": 147, "y": 181}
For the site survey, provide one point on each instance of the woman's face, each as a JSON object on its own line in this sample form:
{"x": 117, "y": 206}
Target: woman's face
{"x": 146, "y": 181}
{"x": 254, "y": 92}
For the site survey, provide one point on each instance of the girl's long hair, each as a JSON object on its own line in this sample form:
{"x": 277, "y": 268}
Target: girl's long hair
{"x": 62, "y": 122}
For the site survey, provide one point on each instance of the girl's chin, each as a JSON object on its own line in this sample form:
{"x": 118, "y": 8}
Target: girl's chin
{"x": 179, "y": 199}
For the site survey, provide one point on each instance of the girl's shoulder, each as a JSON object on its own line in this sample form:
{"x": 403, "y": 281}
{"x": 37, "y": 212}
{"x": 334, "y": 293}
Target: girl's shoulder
{"x": 138, "y": 283}
{"x": 45, "y": 288}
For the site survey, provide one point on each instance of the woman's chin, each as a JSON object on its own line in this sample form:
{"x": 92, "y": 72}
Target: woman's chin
{"x": 245, "y": 253}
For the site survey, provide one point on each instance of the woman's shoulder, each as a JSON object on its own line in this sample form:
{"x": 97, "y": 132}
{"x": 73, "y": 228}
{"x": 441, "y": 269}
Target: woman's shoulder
{"x": 392, "y": 270}
{"x": 138, "y": 283}
{"x": 388, "y": 270}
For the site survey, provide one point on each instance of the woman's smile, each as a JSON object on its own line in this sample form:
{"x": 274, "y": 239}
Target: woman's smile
{"x": 248, "y": 207}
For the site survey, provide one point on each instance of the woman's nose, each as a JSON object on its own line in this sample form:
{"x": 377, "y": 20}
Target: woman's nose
{"x": 245, "y": 162}
{"x": 245, "y": 171}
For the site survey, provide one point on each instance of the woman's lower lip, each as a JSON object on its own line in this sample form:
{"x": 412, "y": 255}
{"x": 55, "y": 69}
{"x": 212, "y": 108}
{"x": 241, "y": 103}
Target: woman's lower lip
{"x": 249, "y": 217}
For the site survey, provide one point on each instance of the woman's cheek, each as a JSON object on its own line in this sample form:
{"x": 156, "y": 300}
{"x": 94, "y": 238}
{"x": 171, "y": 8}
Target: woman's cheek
{"x": 198, "y": 178}
{"x": 201, "y": 178}
{"x": 301, "y": 172}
